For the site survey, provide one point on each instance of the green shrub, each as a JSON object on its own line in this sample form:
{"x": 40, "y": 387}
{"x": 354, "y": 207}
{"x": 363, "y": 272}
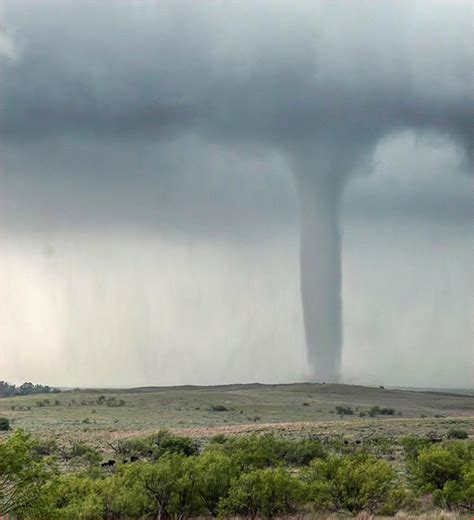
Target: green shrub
{"x": 263, "y": 492}
{"x": 446, "y": 472}
{"x": 44, "y": 448}
{"x": 439, "y": 464}
{"x": 164, "y": 442}
{"x": 4, "y": 424}
{"x": 376, "y": 410}
{"x": 23, "y": 479}
{"x": 218, "y": 408}
{"x": 139, "y": 447}
{"x": 215, "y": 471}
{"x": 263, "y": 451}
{"x": 387, "y": 411}
{"x": 456, "y": 433}
{"x": 344, "y": 410}
{"x": 457, "y": 493}
{"x": 220, "y": 438}
{"x": 413, "y": 446}
{"x": 161, "y": 489}
{"x": 301, "y": 452}
{"x": 350, "y": 483}
{"x": 76, "y": 497}
{"x": 85, "y": 452}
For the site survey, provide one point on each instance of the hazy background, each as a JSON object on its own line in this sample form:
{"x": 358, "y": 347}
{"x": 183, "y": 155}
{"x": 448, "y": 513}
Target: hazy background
{"x": 148, "y": 218}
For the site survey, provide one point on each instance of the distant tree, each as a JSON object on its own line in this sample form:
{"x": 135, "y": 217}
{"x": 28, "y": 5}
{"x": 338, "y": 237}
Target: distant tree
{"x": 27, "y": 388}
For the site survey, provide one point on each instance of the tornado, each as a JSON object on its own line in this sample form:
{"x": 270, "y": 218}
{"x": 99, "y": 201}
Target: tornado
{"x": 319, "y": 187}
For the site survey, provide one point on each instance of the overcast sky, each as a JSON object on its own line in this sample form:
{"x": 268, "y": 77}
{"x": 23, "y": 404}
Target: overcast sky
{"x": 148, "y": 214}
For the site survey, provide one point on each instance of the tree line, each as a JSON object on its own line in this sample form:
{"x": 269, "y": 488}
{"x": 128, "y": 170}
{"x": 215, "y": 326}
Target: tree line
{"x": 27, "y": 388}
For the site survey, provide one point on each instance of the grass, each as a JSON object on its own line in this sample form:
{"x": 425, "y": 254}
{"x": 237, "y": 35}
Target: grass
{"x": 295, "y": 409}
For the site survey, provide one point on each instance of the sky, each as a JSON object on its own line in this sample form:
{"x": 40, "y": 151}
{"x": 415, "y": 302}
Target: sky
{"x": 149, "y": 216}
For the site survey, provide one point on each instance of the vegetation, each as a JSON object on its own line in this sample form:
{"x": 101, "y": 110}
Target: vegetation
{"x": 250, "y": 476}
{"x": 91, "y": 456}
{"x": 456, "y": 433}
{"x": 377, "y": 410}
{"x": 263, "y": 493}
{"x": 447, "y": 472}
{"x": 24, "y": 479}
{"x": 344, "y": 410}
{"x": 350, "y": 483}
{"x": 8, "y": 390}
{"x": 144, "y": 410}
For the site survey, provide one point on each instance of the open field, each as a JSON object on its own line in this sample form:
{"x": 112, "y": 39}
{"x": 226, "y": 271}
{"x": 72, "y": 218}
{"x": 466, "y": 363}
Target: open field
{"x": 295, "y": 409}
{"x": 106, "y": 454}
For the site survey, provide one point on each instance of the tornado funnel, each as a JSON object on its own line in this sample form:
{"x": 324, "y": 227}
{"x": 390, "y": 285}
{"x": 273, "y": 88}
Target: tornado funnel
{"x": 320, "y": 263}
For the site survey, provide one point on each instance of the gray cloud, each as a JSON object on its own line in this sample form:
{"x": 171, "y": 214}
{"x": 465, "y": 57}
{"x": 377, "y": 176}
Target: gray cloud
{"x": 304, "y": 71}
{"x": 108, "y": 90}
{"x": 188, "y": 118}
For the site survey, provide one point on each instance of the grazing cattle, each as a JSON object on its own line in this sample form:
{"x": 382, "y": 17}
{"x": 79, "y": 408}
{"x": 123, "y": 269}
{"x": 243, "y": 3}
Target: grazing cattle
{"x": 108, "y": 464}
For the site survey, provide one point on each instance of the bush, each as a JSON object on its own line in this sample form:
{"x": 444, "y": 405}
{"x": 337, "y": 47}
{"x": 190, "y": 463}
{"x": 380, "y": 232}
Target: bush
{"x": 4, "y": 424}
{"x": 302, "y": 452}
{"x": 85, "y": 452}
{"x": 455, "y": 433}
{"x": 218, "y": 408}
{"x": 446, "y": 472}
{"x": 344, "y": 410}
{"x": 263, "y": 492}
{"x": 439, "y": 464}
{"x": 263, "y": 451}
{"x": 44, "y": 448}
{"x": 162, "y": 489}
{"x": 376, "y": 410}
{"x": 220, "y": 438}
{"x": 77, "y": 497}
{"x": 413, "y": 446}
{"x": 350, "y": 483}
{"x": 24, "y": 480}
{"x": 457, "y": 493}
{"x": 140, "y": 447}
{"x": 215, "y": 471}
{"x": 164, "y": 442}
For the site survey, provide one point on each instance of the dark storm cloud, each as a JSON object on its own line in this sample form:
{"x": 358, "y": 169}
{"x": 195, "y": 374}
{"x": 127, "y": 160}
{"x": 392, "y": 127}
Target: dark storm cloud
{"x": 145, "y": 143}
{"x": 130, "y": 97}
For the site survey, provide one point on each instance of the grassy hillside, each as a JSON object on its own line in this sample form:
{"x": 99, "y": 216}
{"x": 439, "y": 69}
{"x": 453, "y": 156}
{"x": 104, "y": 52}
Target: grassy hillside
{"x": 202, "y": 411}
